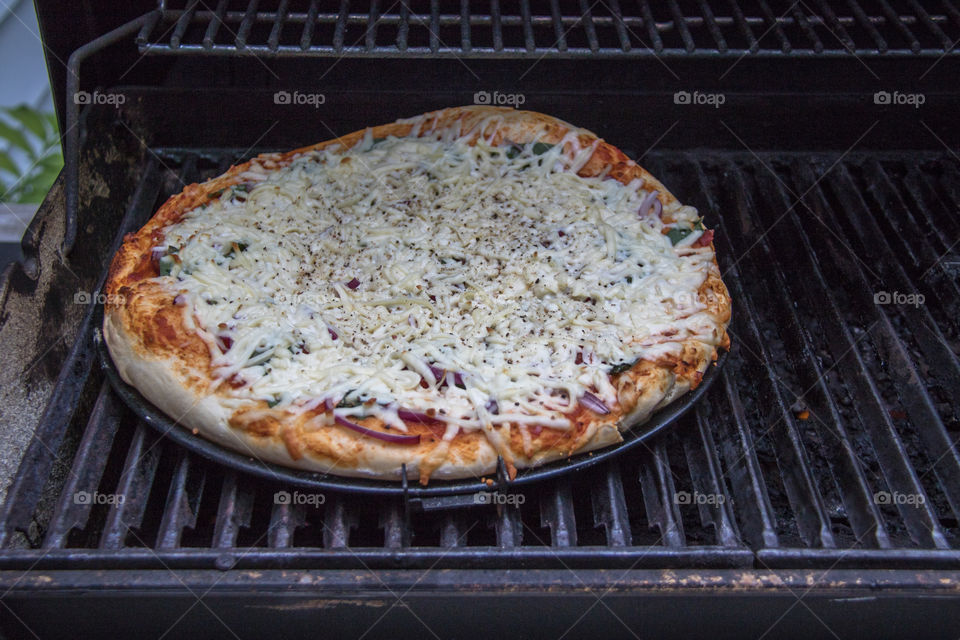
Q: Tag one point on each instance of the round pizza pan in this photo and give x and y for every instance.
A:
(167, 427)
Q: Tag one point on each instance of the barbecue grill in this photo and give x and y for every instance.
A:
(814, 489)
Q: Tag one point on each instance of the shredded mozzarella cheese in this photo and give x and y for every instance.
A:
(426, 273)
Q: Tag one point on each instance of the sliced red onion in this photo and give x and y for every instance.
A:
(329, 404)
(353, 284)
(492, 406)
(443, 376)
(650, 200)
(594, 403)
(333, 334)
(415, 416)
(379, 435)
(224, 342)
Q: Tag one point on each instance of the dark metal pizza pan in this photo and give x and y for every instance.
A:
(158, 420)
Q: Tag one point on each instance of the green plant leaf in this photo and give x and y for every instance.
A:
(37, 134)
(52, 161)
(7, 164)
(30, 119)
(541, 147)
(16, 138)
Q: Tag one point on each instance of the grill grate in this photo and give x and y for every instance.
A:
(560, 28)
(869, 478)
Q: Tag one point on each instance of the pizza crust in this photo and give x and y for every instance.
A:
(155, 351)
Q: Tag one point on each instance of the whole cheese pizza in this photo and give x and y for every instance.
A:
(468, 284)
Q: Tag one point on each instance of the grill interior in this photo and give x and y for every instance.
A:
(823, 460)
(566, 28)
(808, 244)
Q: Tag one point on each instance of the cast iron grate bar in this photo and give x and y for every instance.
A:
(660, 496)
(394, 528)
(558, 29)
(867, 24)
(509, 526)
(900, 26)
(523, 29)
(833, 25)
(610, 507)
(651, 24)
(556, 513)
(497, 24)
(952, 10)
(234, 510)
(931, 25)
(180, 507)
(712, 26)
(681, 26)
(273, 41)
(619, 25)
(801, 19)
(209, 36)
(452, 533)
(136, 480)
(707, 479)
(773, 25)
(246, 25)
(589, 27)
(284, 520)
(404, 27)
(340, 29)
(745, 29)
(337, 524)
(306, 36)
(528, 39)
(182, 23)
(464, 27)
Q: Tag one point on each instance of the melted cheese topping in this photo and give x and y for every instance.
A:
(483, 285)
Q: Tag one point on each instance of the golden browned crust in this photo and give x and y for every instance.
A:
(149, 339)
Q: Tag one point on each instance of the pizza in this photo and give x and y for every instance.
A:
(440, 292)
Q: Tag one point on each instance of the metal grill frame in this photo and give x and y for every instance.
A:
(638, 32)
